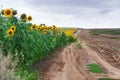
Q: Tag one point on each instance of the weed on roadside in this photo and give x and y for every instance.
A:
(95, 68)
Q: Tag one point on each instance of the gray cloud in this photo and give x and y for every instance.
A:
(79, 13)
(76, 6)
(78, 3)
(89, 3)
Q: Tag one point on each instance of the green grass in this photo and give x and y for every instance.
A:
(101, 31)
(114, 38)
(79, 45)
(26, 74)
(105, 79)
(95, 68)
(95, 33)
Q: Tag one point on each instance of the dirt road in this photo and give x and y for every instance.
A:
(73, 67)
(70, 64)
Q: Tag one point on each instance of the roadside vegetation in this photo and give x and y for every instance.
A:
(79, 45)
(95, 68)
(113, 32)
(114, 38)
(106, 79)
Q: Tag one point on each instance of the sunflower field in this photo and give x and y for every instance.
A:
(27, 42)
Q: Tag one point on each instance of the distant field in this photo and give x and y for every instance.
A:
(105, 31)
(69, 31)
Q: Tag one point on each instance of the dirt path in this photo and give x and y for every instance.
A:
(112, 71)
(71, 62)
(73, 69)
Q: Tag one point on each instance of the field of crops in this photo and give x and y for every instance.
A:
(107, 31)
(27, 42)
(69, 31)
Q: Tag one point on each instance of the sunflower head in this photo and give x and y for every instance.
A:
(54, 26)
(34, 26)
(14, 12)
(23, 16)
(8, 12)
(39, 28)
(10, 33)
(13, 28)
(29, 18)
(52, 29)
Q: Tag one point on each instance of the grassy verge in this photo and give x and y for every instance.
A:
(106, 79)
(26, 74)
(79, 45)
(95, 33)
(95, 68)
(101, 31)
(114, 38)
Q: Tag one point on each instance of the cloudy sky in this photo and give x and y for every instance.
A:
(70, 13)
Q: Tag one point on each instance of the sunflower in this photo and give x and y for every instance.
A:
(34, 26)
(29, 18)
(39, 28)
(13, 28)
(54, 26)
(52, 29)
(23, 16)
(10, 32)
(45, 30)
(8, 12)
(14, 12)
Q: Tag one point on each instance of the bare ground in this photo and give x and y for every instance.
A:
(7, 68)
(70, 64)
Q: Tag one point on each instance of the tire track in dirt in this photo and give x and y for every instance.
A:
(112, 71)
(73, 65)
(69, 71)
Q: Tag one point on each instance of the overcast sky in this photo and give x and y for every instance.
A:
(70, 13)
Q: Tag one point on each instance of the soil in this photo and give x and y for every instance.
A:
(70, 63)
(7, 67)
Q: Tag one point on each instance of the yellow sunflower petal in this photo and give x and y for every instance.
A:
(29, 18)
(10, 33)
(13, 28)
(8, 12)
